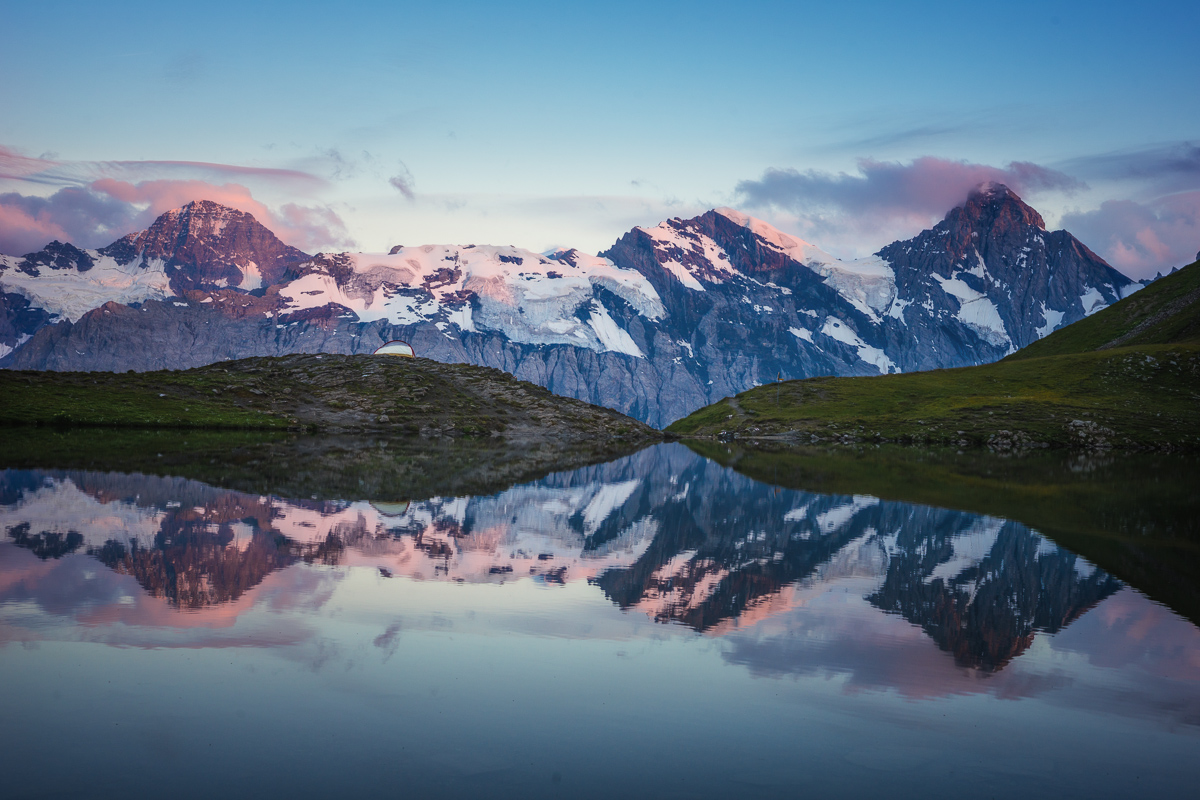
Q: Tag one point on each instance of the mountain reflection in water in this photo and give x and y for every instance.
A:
(664, 533)
(656, 626)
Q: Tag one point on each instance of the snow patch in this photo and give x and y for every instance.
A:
(837, 518)
(251, 278)
(839, 331)
(607, 499)
(968, 549)
(868, 284)
(801, 333)
(897, 309)
(5, 349)
(1052, 319)
(976, 310)
(1092, 301)
(69, 294)
(674, 241)
(1129, 289)
(531, 298)
(610, 334)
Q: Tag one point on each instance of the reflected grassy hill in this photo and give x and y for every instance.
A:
(1135, 515)
(343, 467)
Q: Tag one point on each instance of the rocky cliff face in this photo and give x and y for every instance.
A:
(669, 319)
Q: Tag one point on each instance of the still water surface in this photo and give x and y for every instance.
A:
(658, 626)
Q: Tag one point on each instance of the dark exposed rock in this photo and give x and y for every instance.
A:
(19, 320)
(56, 255)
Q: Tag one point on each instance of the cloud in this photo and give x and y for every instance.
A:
(102, 211)
(927, 185)
(15, 166)
(53, 172)
(1162, 169)
(75, 214)
(885, 200)
(402, 181)
(1141, 239)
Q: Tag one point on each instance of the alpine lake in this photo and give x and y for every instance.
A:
(205, 615)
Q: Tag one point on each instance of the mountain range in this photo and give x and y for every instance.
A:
(667, 320)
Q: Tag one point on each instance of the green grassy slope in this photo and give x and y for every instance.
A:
(313, 392)
(1072, 389)
(1165, 312)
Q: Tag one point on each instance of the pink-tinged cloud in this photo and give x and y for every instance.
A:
(23, 231)
(15, 166)
(72, 214)
(103, 200)
(1141, 239)
(290, 176)
(107, 209)
(886, 200)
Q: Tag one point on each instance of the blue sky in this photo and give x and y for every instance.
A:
(544, 124)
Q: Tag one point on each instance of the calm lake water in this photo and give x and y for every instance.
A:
(657, 626)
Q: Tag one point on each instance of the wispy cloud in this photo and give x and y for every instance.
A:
(1159, 169)
(402, 182)
(926, 185)
(75, 214)
(16, 166)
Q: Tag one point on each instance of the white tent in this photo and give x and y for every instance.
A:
(396, 348)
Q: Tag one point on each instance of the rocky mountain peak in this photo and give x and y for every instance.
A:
(207, 245)
(994, 206)
(200, 223)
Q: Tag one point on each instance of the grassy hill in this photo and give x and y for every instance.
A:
(1127, 377)
(328, 393)
(1165, 312)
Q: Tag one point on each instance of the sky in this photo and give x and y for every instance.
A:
(365, 125)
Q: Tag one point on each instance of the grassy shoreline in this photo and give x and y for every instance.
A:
(1127, 377)
(1129, 398)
